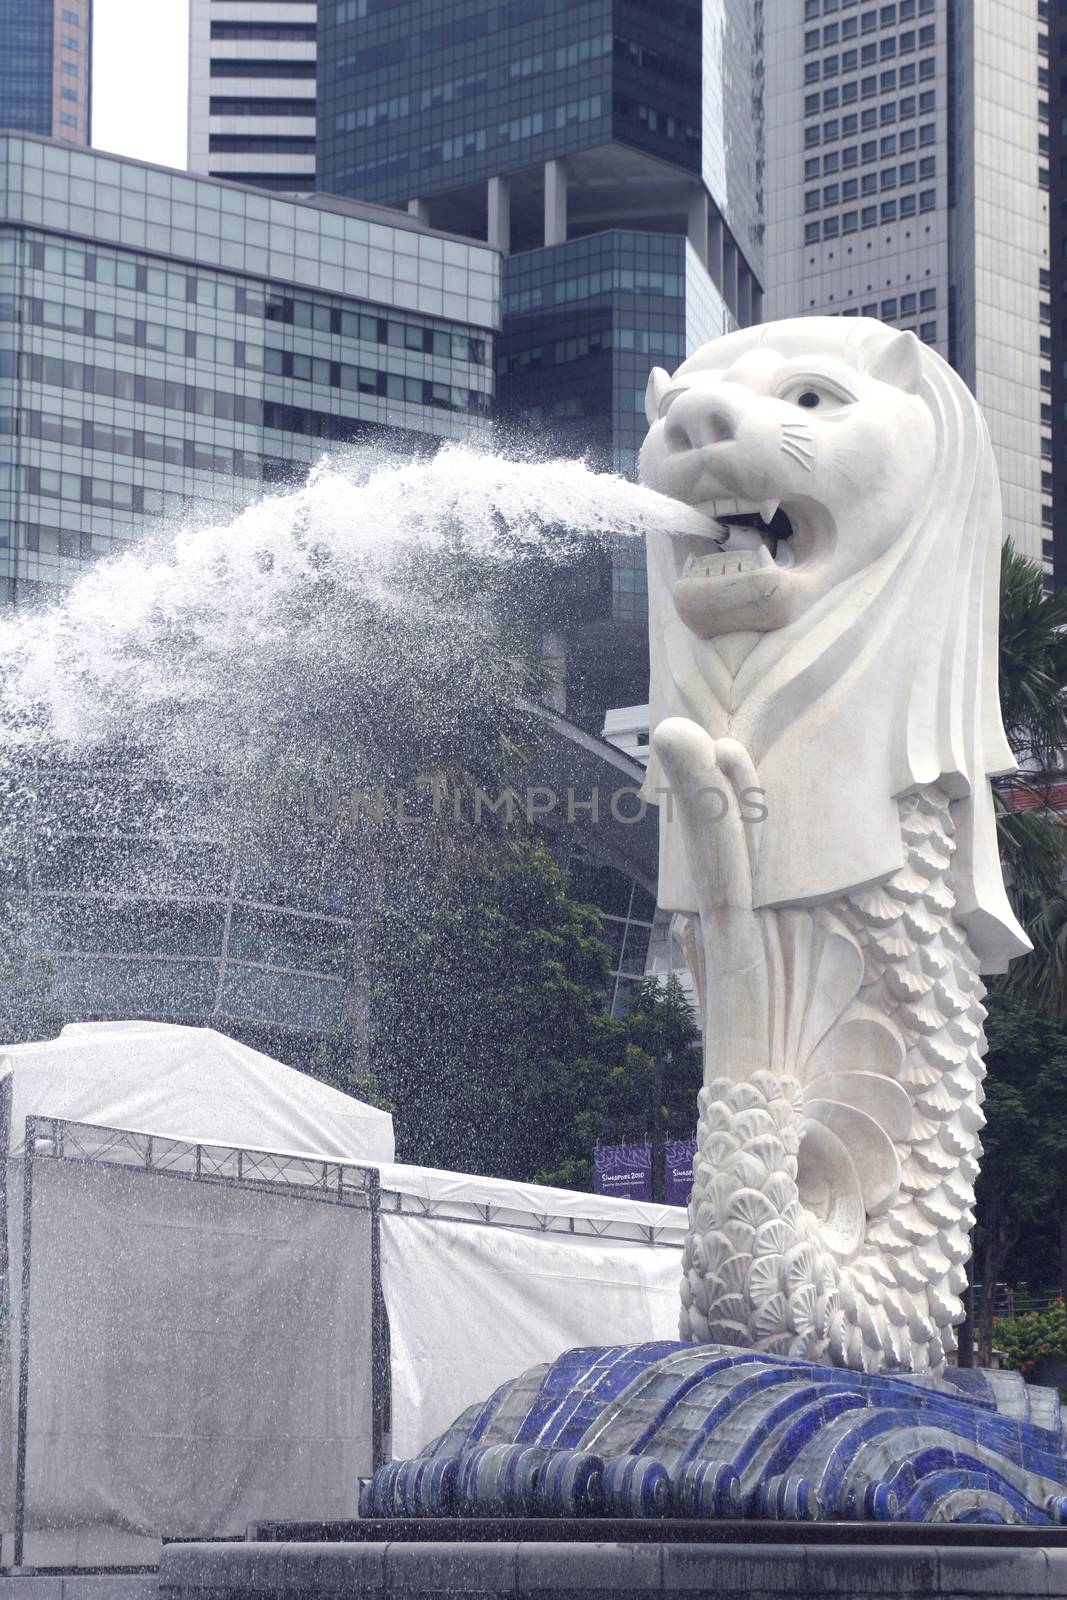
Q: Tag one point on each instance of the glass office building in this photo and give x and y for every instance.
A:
(169, 345)
(613, 151)
(610, 148)
(908, 154)
(45, 50)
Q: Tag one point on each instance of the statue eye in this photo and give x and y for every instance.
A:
(809, 399)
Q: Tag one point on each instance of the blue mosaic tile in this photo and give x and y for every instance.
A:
(674, 1429)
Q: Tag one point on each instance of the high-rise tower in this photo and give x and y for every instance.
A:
(252, 92)
(613, 150)
(908, 179)
(45, 48)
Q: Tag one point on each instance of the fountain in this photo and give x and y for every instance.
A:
(822, 517)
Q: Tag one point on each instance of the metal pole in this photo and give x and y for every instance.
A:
(24, 1340)
(379, 1358)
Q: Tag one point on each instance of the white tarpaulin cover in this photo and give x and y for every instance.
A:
(471, 1306)
(197, 1360)
(189, 1083)
(199, 1353)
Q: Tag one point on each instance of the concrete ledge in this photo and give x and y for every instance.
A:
(80, 1586)
(438, 1570)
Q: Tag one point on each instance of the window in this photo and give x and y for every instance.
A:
(868, 87)
(926, 133)
(811, 136)
(869, 216)
(67, 120)
(907, 139)
(889, 145)
(907, 205)
(926, 36)
(830, 33)
(927, 100)
(811, 167)
(889, 178)
(887, 16)
(811, 200)
(829, 228)
(907, 305)
(811, 104)
(869, 311)
(889, 310)
(68, 42)
(907, 172)
(927, 67)
(829, 130)
(811, 233)
(848, 156)
(830, 162)
(849, 222)
(926, 200)
(811, 72)
(73, 18)
(849, 60)
(829, 99)
(811, 39)
(869, 21)
(907, 75)
(887, 49)
(889, 81)
(889, 113)
(870, 183)
(928, 331)
(889, 211)
(850, 189)
(907, 41)
(830, 194)
(927, 166)
(869, 55)
(869, 149)
(869, 118)
(829, 67)
(849, 125)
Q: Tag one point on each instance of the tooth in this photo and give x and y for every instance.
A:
(784, 555)
(764, 558)
(689, 565)
(768, 509)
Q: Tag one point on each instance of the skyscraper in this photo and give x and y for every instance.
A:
(612, 149)
(45, 65)
(908, 178)
(252, 92)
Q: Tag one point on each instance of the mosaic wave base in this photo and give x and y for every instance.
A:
(710, 1431)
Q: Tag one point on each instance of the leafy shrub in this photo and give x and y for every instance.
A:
(1024, 1340)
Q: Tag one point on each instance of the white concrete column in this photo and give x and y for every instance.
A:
(729, 273)
(744, 293)
(555, 202)
(498, 201)
(714, 262)
(697, 226)
(419, 209)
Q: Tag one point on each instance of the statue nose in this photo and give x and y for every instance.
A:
(696, 419)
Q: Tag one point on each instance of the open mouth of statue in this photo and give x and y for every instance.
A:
(749, 536)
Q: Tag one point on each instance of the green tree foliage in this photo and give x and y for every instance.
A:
(1022, 1188)
(490, 1037)
(1033, 843)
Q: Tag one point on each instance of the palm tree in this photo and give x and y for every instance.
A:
(1033, 842)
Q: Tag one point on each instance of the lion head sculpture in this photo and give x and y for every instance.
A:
(839, 620)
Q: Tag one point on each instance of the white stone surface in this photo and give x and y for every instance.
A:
(825, 722)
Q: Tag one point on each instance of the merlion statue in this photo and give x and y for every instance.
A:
(831, 643)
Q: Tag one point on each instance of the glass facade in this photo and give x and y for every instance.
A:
(169, 345)
(613, 149)
(45, 51)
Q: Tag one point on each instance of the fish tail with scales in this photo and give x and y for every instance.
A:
(833, 1200)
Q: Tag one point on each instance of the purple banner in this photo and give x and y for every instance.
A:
(624, 1170)
(678, 1178)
